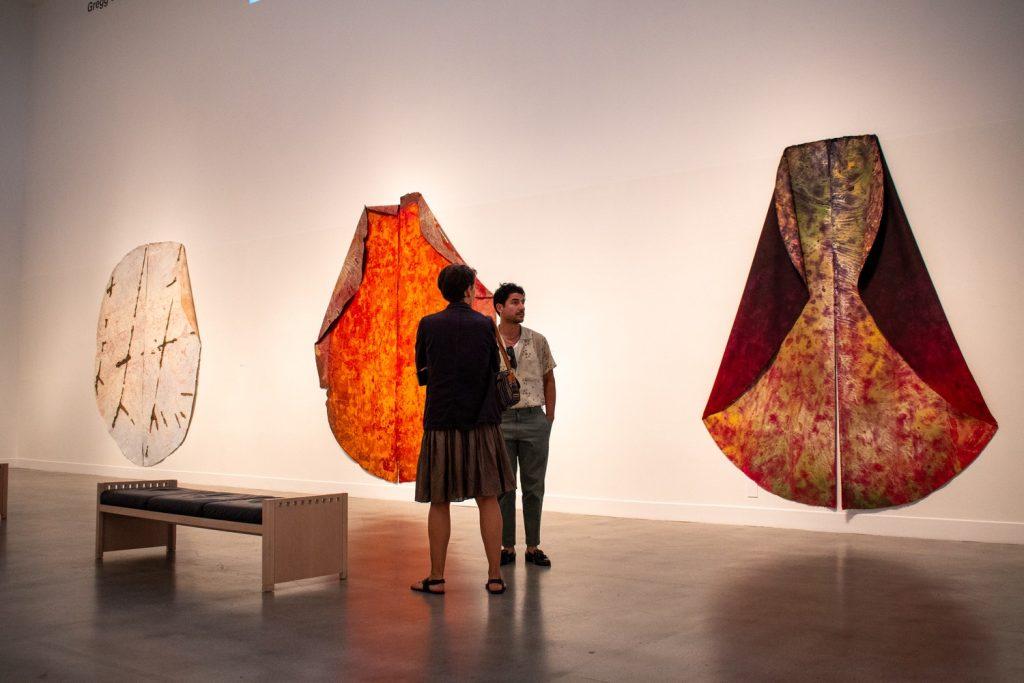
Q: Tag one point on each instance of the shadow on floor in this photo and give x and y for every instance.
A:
(847, 616)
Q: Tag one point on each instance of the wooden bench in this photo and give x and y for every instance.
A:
(3, 489)
(303, 537)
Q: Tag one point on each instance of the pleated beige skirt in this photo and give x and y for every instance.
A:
(455, 465)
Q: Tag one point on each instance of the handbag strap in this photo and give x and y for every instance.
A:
(501, 349)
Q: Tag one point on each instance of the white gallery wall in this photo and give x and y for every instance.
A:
(615, 158)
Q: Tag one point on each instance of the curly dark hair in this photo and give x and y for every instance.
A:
(506, 290)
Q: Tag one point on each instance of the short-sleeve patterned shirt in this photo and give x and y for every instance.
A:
(533, 361)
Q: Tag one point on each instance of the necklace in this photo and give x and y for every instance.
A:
(512, 342)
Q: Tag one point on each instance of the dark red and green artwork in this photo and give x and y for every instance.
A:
(842, 384)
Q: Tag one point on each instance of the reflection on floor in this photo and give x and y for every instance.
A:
(626, 599)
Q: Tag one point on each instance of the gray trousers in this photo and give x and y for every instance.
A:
(526, 433)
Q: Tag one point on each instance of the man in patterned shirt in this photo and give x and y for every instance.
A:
(526, 426)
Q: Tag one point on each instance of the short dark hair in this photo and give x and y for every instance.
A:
(506, 290)
(454, 280)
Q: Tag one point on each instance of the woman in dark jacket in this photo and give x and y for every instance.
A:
(463, 453)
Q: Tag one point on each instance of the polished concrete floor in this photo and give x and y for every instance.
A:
(626, 600)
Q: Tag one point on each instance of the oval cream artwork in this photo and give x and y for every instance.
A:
(147, 353)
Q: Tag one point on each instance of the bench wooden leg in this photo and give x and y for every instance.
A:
(268, 555)
(99, 535)
(343, 574)
(118, 532)
(304, 538)
(3, 490)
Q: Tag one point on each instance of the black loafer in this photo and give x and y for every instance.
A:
(538, 558)
(507, 557)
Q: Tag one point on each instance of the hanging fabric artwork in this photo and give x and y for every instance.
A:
(365, 351)
(841, 363)
(147, 353)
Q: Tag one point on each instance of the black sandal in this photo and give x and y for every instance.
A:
(538, 558)
(425, 585)
(497, 582)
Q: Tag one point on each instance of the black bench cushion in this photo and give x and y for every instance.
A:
(248, 510)
(190, 503)
(135, 498)
(232, 507)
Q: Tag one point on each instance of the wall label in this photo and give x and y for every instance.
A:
(97, 5)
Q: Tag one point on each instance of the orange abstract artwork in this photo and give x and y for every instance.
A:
(365, 352)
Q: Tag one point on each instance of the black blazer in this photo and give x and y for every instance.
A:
(457, 360)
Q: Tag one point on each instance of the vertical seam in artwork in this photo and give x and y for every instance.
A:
(398, 339)
(835, 331)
